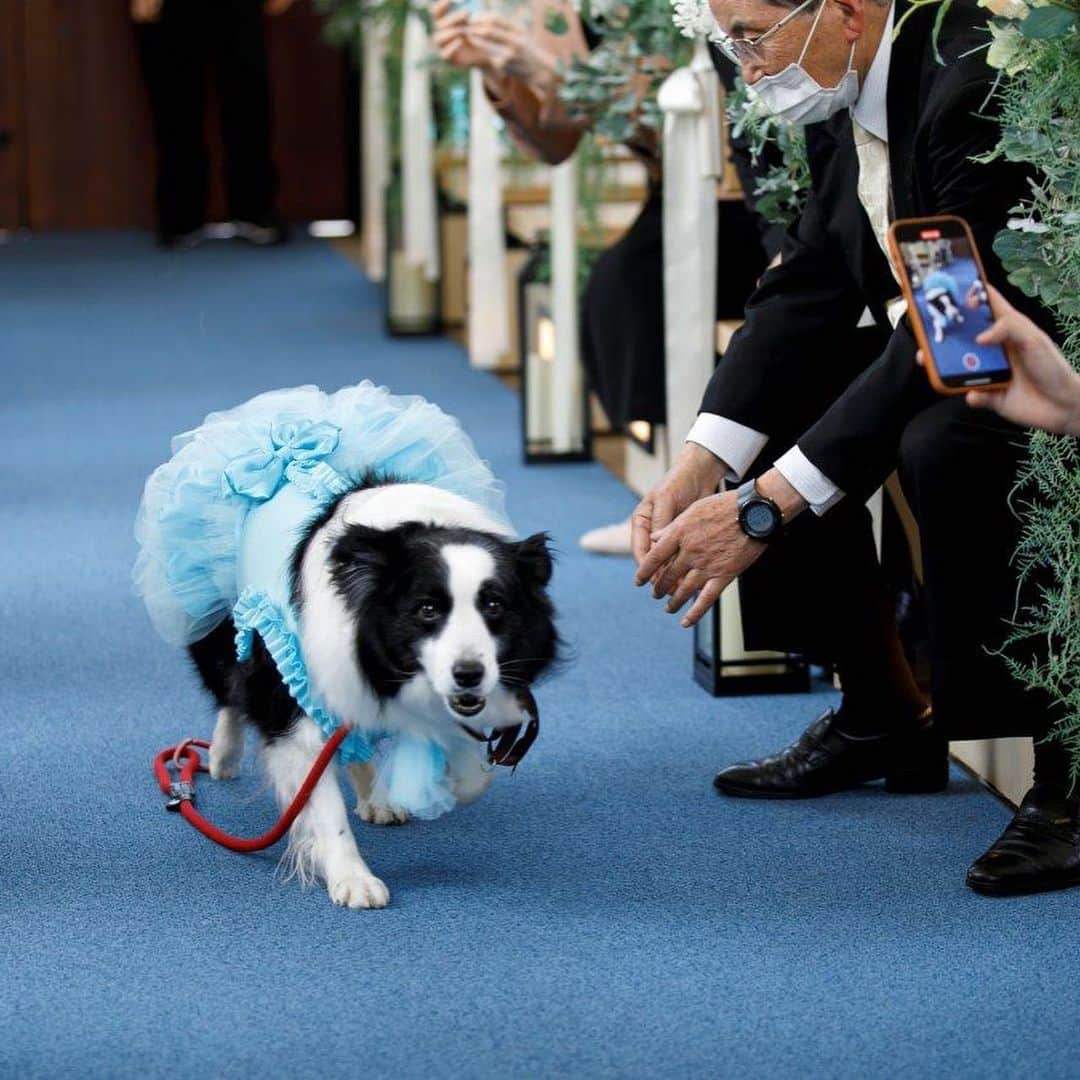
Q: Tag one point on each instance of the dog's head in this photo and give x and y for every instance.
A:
(445, 614)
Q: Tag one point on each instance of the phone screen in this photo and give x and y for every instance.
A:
(953, 305)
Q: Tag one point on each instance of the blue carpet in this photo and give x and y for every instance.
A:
(601, 913)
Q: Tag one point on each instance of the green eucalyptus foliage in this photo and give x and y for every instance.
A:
(781, 192)
(614, 88)
(1040, 99)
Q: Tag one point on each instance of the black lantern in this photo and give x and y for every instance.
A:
(554, 404)
(413, 302)
(725, 668)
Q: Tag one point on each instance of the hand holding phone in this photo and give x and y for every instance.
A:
(948, 303)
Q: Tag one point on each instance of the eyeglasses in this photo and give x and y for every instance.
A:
(743, 50)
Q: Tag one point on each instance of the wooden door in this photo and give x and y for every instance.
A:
(80, 154)
(12, 178)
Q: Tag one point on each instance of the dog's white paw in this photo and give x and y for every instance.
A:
(375, 814)
(225, 760)
(358, 889)
(227, 745)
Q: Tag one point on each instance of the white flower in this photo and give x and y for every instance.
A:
(693, 18)
(1028, 225)
(1007, 9)
(1005, 52)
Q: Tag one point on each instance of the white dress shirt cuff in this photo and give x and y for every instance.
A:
(808, 480)
(733, 443)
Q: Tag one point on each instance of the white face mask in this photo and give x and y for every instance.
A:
(796, 96)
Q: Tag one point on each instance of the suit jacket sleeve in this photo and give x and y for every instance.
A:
(855, 443)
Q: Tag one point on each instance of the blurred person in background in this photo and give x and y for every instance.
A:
(178, 40)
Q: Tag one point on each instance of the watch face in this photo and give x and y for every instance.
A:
(759, 519)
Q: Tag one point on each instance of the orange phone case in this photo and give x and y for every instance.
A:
(913, 312)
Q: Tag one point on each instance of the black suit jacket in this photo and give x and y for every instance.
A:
(793, 372)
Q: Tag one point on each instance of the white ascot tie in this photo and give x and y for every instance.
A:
(489, 315)
(875, 187)
(875, 194)
(690, 101)
(375, 161)
(420, 221)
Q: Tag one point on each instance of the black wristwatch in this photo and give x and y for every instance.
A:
(759, 516)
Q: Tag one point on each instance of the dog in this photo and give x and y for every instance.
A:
(417, 616)
(943, 302)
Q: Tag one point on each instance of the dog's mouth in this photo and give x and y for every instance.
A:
(467, 705)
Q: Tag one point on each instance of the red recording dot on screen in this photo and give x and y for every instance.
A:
(930, 234)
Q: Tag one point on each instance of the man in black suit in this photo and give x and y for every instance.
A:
(891, 133)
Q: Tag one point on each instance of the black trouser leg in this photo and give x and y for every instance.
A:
(1052, 766)
(244, 91)
(958, 468)
(819, 589)
(173, 57)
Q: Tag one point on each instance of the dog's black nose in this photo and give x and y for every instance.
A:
(468, 673)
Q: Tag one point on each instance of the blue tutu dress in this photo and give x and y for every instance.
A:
(219, 521)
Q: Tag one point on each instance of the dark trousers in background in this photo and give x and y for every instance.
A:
(225, 36)
(622, 311)
(820, 585)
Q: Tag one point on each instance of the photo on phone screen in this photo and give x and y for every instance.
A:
(953, 306)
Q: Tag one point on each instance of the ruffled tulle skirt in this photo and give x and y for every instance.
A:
(192, 513)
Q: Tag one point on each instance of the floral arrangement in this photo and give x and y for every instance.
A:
(615, 86)
(781, 192)
(1036, 50)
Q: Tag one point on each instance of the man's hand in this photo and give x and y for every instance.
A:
(145, 11)
(705, 548)
(702, 551)
(276, 7)
(449, 24)
(695, 475)
(509, 48)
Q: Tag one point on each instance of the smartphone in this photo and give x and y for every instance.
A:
(945, 287)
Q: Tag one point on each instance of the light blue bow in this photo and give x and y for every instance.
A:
(295, 453)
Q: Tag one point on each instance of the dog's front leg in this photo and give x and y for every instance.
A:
(321, 844)
(227, 745)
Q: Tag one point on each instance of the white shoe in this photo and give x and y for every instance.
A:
(608, 539)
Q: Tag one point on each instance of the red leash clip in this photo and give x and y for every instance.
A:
(180, 792)
(183, 790)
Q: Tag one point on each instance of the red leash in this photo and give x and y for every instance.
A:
(181, 792)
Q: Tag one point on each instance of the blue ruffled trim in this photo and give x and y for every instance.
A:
(255, 613)
(410, 771)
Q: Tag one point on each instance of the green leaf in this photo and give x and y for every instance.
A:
(555, 22)
(1050, 291)
(1048, 22)
(1024, 280)
(1025, 144)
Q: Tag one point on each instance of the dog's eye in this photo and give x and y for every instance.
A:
(493, 607)
(427, 610)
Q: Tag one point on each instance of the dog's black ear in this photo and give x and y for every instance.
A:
(359, 559)
(534, 562)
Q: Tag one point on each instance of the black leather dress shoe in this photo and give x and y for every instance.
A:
(824, 760)
(1038, 852)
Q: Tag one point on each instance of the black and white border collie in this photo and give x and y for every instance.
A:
(417, 614)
